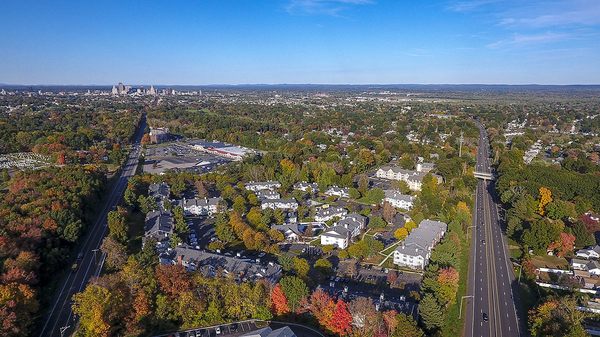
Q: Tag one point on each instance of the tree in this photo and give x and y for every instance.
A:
(201, 188)
(539, 236)
(376, 222)
(363, 315)
(431, 313)
(279, 302)
(401, 233)
(295, 291)
(322, 307)
(117, 227)
(389, 212)
(564, 244)
(545, 199)
(363, 183)
(146, 204)
(341, 321)
(448, 286)
(583, 238)
(301, 267)
(406, 327)
(324, 266)
(116, 253)
(239, 204)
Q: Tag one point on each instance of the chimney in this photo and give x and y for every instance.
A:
(179, 259)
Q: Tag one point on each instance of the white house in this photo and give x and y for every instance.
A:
(262, 185)
(425, 167)
(285, 204)
(305, 187)
(327, 213)
(589, 253)
(267, 194)
(593, 267)
(204, 206)
(414, 179)
(415, 251)
(399, 200)
(341, 192)
(579, 264)
(337, 236)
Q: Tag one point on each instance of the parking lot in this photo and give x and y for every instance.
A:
(229, 330)
(202, 229)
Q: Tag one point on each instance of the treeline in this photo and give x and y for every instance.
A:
(69, 134)
(42, 216)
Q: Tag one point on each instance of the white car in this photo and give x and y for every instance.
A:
(218, 330)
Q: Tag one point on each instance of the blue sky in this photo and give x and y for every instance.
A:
(299, 41)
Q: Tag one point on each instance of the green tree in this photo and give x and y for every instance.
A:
(431, 313)
(295, 291)
(117, 226)
(406, 327)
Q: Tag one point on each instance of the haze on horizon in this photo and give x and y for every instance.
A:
(300, 41)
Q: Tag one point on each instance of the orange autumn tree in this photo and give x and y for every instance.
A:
(279, 303)
(322, 307)
(448, 281)
(341, 321)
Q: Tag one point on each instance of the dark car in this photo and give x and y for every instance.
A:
(485, 317)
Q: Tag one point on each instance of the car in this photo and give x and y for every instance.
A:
(483, 242)
(485, 317)
(218, 330)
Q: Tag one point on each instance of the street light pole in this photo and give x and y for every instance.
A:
(460, 310)
(63, 329)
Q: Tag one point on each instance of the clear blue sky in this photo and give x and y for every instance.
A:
(299, 41)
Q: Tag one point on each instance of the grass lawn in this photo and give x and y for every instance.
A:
(453, 325)
(389, 249)
(548, 261)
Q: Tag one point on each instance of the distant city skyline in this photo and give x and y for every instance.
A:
(300, 42)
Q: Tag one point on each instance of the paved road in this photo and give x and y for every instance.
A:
(60, 321)
(491, 277)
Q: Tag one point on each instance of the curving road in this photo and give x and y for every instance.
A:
(490, 309)
(59, 320)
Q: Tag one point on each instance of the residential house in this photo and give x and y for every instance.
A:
(267, 194)
(285, 204)
(268, 332)
(425, 167)
(212, 265)
(579, 264)
(290, 231)
(262, 185)
(399, 200)
(206, 206)
(158, 225)
(415, 250)
(589, 253)
(337, 236)
(306, 187)
(327, 213)
(336, 191)
(593, 267)
(414, 179)
(344, 231)
(353, 222)
(160, 193)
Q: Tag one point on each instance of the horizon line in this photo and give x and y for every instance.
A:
(301, 84)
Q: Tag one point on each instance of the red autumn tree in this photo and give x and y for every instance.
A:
(341, 321)
(564, 244)
(173, 280)
(279, 303)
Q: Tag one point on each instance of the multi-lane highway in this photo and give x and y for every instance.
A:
(59, 320)
(490, 305)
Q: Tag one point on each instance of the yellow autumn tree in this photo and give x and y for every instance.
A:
(401, 233)
(545, 199)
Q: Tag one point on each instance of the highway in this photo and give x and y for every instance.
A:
(60, 320)
(490, 306)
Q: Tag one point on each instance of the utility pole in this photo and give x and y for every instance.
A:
(461, 143)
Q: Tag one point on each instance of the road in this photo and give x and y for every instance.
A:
(59, 320)
(491, 276)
